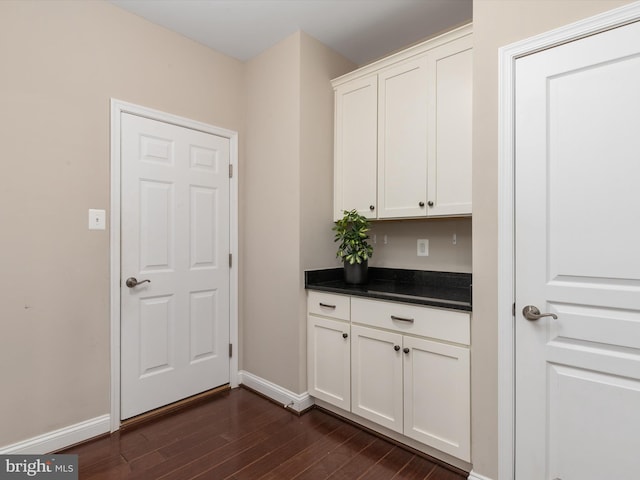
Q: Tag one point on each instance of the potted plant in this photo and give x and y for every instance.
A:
(351, 231)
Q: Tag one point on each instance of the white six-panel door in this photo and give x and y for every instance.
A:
(175, 233)
(577, 227)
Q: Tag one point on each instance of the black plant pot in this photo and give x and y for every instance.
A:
(356, 274)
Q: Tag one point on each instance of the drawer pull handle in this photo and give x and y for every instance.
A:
(326, 305)
(401, 319)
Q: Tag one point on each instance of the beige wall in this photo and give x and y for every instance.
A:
(318, 65)
(497, 23)
(287, 201)
(400, 250)
(61, 63)
(270, 209)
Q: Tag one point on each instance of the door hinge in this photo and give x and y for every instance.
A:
(230, 350)
(230, 260)
(230, 170)
(513, 309)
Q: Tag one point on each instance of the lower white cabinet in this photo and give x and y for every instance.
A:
(437, 408)
(328, 361)
(376, 376)
(403, 367)
(329, 349)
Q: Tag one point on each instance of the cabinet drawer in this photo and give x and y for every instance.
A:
(442, 324)
(328, 305)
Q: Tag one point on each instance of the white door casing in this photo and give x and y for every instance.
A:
(577, 229)
(174, 180)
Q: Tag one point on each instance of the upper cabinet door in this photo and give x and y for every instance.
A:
(356, 124)
(402, 140)
(450, 109)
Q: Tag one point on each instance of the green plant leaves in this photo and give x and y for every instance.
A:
(351, 231)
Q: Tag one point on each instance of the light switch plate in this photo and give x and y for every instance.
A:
(423, 247)
(97, 219)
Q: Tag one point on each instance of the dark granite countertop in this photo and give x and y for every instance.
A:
(437, 289)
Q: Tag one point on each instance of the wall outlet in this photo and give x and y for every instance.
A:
(423, 247)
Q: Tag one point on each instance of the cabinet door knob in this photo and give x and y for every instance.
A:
(345, 335)
(421, 204)
(396, 347)
(430, 203)
(372, 207)
(405, 349)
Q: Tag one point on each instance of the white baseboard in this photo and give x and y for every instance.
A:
(476, 476)
(61, 438)
(287, 398)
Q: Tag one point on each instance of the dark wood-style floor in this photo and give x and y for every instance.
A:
(240, 435)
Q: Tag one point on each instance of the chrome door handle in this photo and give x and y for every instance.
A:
(532, 313)
(133, 281)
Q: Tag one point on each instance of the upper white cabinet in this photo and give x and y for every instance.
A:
(356, 140)
(403, 132)
(450, 109)
(402, 139)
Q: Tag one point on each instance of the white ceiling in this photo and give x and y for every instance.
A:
(361, 30)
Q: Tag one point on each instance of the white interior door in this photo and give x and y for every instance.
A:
(175, 234)
(577, 233)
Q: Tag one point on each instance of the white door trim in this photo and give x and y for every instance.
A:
(506, 211)
(117, 108)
